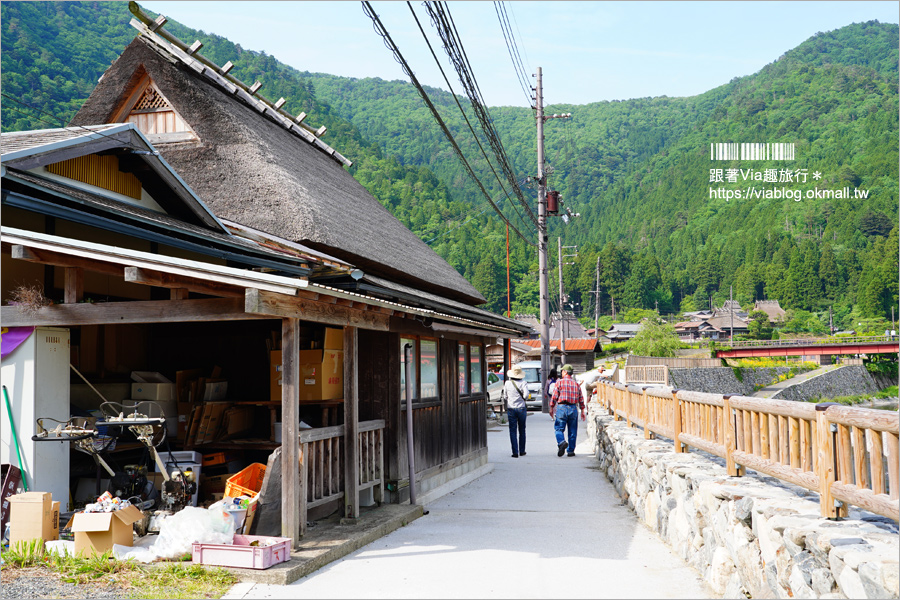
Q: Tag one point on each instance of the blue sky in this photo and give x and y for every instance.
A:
(588, 51)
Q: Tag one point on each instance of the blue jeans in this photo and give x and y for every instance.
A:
(566, 416)
(517, 418)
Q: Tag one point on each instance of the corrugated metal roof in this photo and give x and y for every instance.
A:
(572, 345)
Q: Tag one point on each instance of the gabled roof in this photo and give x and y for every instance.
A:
(26, 150)
(252, 170)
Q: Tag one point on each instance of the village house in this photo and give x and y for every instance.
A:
(183, 223)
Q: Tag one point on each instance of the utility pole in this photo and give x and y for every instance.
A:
(731, 306)
(542, 234)
(562, 305)
(597, 299)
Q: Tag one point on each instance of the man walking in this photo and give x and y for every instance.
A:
(562, 409)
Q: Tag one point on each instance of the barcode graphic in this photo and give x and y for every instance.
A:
(751, 151)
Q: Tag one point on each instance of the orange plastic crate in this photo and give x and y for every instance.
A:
(246, 483)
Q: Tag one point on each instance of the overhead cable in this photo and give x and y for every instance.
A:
(389, 43)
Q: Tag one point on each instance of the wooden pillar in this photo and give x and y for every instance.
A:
(74, 285)
(734, 470)
(290, 430)
(351, 424)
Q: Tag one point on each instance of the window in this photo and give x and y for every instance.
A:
(423, 368)
(469, 369)
(463, 370)
(475, 368)
(413, 353)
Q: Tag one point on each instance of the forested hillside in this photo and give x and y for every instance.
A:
(638, 171)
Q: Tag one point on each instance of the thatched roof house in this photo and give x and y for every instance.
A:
(244, 159)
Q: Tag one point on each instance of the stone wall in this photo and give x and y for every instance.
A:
(844, 381)
(751, 536)
(722, 380)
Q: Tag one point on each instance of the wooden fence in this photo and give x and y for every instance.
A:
(322, 464)
(647, 374)
(848, 455)
(672, 362)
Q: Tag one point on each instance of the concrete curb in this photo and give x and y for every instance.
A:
(319, 548)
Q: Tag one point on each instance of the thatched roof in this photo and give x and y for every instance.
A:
(250, 169)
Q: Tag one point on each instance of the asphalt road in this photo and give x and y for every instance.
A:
(538, 526)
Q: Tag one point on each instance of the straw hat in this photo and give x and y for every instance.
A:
(516, 373)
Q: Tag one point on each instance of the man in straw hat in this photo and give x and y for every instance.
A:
(515, 391)
(562, 409)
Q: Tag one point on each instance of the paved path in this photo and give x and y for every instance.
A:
(537, 526)
(770, 391)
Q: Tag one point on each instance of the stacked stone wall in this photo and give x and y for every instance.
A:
(851, 380)
(723, 380)
(751, 536)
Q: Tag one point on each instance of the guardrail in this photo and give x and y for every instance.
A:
(860, 339)
(848, 455)
(322, 464)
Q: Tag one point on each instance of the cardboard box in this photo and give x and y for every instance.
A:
(97, 532)
(334, 339)
(33, 515)
(321, 375)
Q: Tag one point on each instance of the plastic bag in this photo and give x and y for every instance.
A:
(178, 533)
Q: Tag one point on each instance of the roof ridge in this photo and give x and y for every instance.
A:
(151, 30)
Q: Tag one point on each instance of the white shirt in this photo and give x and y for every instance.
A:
(516, 391)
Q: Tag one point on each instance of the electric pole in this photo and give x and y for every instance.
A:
(542, 235)
(597, 299)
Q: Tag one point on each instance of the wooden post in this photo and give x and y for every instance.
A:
(730, 437)
(676, 420)
(351, 424)
(304, 485)
(826, 451)
(74, 285)
(290, 430)
(645, 416)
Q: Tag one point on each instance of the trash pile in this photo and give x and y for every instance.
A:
(107, 503)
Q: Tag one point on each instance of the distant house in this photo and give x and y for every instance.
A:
(621, 332)
(773, 309)
(578, 352)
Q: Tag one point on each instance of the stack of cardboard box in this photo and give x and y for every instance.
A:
(321, 365)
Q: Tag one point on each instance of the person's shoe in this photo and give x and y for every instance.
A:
(562, 447)
(571, 454)
(522, 454)
(514, 456)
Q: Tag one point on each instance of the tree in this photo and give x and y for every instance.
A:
(654, 339)
(760, 328)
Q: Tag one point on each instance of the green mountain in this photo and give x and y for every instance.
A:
(639, 171)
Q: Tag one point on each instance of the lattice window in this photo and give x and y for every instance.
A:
(151, 99)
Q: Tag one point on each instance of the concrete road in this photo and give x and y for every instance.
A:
(537, 526)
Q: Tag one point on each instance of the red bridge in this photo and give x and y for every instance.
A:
(880, 344)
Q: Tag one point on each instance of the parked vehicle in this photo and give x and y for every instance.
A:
(532, 369)
(495, 386)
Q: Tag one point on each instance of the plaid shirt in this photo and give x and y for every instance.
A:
(567, 392)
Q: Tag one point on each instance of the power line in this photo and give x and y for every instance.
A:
(390, 45)
(443, 22)
(465, 117)
(513, 49)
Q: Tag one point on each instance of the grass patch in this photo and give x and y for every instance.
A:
(133, 579)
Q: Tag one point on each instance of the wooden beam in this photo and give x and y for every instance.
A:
(260, 302)
(351, 423)
(48, 257)
(74, 285)
(290, 428)
(109, 313)
(172, 281)
(179, 293)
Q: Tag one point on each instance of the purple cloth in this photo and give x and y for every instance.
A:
(11, 337)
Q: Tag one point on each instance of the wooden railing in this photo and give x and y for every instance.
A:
(322, 464)
(848, 455)
(647, 374)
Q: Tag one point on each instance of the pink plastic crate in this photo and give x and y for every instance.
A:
(242, 555)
